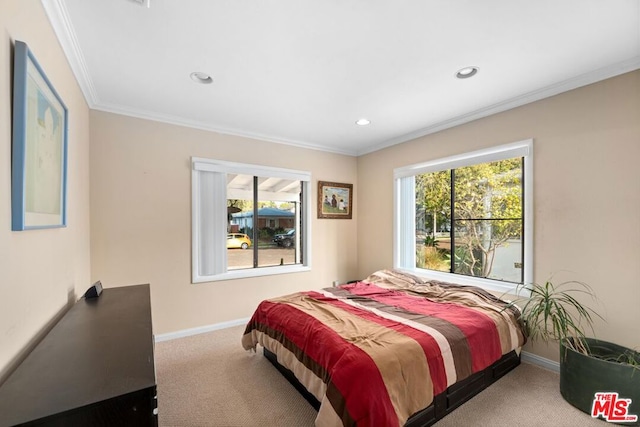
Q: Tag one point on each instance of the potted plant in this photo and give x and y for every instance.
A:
(587, 365)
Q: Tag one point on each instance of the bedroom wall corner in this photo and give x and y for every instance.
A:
(586, 193)
(41, 271)
(141, 218)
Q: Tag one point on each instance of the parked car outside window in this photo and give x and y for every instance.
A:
(286, 240)
(238, 240)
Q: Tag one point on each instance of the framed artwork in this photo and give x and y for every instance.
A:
(39, 151)
(335, 200)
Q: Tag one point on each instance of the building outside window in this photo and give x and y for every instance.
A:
(227, 240)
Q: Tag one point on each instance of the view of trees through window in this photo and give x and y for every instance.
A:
(469, 220)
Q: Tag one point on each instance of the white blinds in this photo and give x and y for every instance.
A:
(406, 223)
(209, 237)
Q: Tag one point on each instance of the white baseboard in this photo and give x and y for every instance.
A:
(534, 359)
(200, 330)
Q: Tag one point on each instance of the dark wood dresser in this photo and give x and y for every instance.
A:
(94, 368)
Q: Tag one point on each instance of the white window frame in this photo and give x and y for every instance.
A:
(209, 219)
(404, 213)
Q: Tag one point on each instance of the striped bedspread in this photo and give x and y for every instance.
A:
(375, 352)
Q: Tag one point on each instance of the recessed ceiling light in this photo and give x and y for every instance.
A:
(467, 72)
(363, 122)
(202, 78)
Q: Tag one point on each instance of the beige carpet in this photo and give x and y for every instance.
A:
(208, 380)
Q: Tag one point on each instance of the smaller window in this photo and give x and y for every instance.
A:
(251, 205)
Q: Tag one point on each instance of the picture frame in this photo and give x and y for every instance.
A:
(39, 147)
(335, 200)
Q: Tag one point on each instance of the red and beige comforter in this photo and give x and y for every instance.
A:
(375, 352)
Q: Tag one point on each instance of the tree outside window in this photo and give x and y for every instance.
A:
(480, 217)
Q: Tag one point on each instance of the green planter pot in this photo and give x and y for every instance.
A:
(581, 377)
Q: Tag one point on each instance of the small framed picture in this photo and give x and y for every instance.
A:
(39, 158)
(335, 200)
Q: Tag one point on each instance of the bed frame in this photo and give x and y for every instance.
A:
(443, 403)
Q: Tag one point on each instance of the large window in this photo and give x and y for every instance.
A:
(468, 219)
(248, 220)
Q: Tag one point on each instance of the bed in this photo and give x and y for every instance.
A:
(390, 350)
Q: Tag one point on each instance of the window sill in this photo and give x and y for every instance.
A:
(459, 279)
(252, 272)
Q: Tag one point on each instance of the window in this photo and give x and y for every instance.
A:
(468, 219)
(240, 212)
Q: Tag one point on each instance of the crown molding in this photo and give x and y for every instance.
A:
(179, 121)
(545, 92)
(59, 18)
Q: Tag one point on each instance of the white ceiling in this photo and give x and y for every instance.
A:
(301, 72)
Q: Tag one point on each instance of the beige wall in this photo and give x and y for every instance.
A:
(141, 218)
(586, 192)
(40, 270)
(587, 203)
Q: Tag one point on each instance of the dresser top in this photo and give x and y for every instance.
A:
(100, 349)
